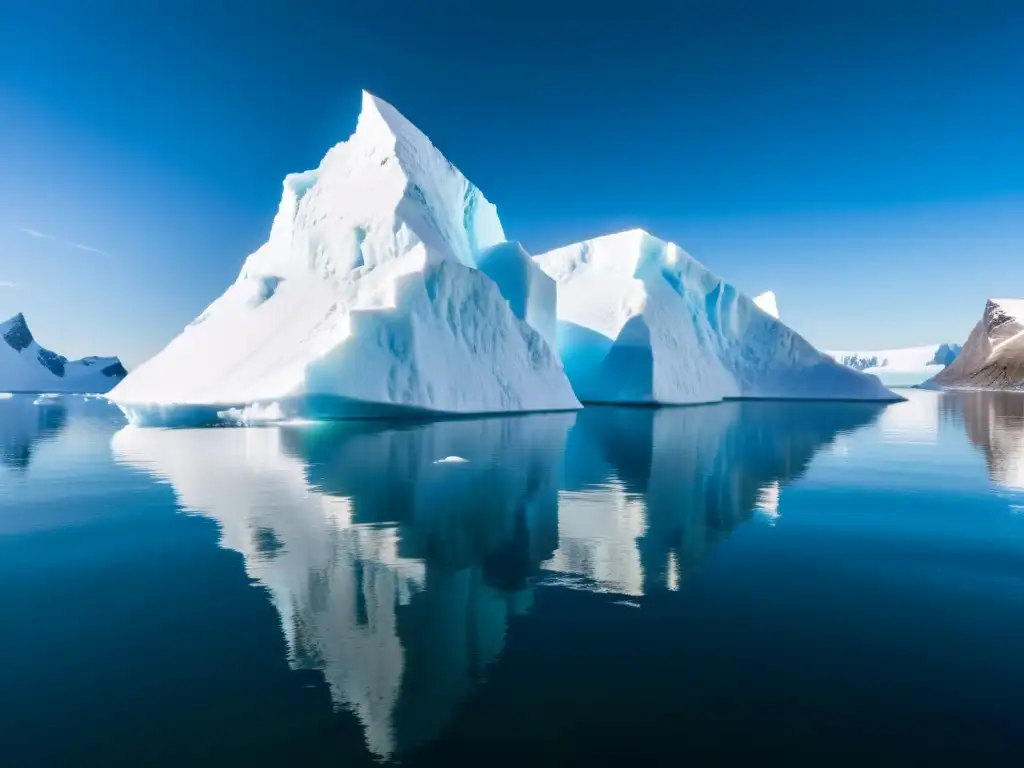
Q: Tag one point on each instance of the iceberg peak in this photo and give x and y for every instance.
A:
(380, 120)
(368, 299)
(767, 303)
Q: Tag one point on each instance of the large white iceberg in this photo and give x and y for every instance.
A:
(25, 366)
(641, 321)
(366, 301)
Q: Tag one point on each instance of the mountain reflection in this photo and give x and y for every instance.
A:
(23, 425)
(397, 576)
(994, 423)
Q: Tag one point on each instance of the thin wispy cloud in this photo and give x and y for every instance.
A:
(6, 284)
(36, 233)
(66, 243)
(87, 248)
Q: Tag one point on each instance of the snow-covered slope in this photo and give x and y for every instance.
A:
(766, 301)
(365, 301)
(901, 367)
(641, 321)
(27, 367)
(993, 355)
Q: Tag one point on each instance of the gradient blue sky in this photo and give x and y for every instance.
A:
(864, 159)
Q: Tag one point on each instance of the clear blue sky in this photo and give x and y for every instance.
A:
(863, 158)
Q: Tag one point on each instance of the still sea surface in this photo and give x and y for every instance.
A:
(832, 581)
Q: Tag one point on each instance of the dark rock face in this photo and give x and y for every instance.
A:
(860, 363)
(18, 335)
(52, 361)
(115, 370)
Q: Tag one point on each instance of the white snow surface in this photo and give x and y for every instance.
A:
(766, 301)
(365, 301)
(641, 321)
(25, 366)
(903, 367)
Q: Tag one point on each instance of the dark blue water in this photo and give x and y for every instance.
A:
(746, 580)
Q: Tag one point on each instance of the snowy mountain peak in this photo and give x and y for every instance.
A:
(25, 366)
(16, 333)
(999, 312)
(993, 355)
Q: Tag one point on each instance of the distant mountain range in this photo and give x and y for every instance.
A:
(25, 366)
(905, 367)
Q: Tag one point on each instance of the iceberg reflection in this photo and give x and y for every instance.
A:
(24, 424)
(396, 575)
(646, 491)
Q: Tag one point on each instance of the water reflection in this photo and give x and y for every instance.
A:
(647, 491)
(994, 423)
(24, 424)
(397, 577)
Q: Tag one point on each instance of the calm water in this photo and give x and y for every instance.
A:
(734, 580)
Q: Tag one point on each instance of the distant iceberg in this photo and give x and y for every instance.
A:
(370, 299)
(25, 366)
(904, 367)
(641, 321)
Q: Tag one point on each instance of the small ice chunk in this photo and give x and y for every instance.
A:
(252, 414)
(452, 460)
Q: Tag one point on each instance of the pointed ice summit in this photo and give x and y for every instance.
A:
(993, 355)
(25, 366)
(766, 301)
(367, 300)
(641, 321)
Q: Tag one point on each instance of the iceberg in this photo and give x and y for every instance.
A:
(386, 288)
(641, 321)
(767, 303)
(906, 367)
(993, 355)
(25, 366)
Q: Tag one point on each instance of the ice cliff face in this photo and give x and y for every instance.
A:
(366, 300)
(993, 355)
(25, 366)
(641, 321)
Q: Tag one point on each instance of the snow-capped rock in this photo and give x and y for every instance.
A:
(641, 321)
(365, 301)
(905, 367)
(993, 355)
(766, 301)
(25, 366)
